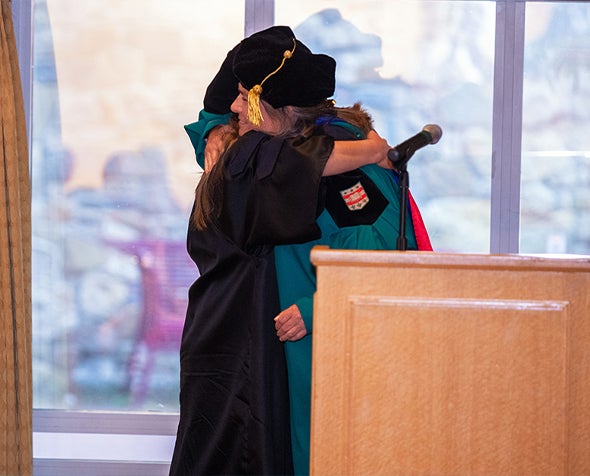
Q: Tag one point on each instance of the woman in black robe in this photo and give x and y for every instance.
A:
(264, 191)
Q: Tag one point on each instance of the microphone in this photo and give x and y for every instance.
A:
(401, 153)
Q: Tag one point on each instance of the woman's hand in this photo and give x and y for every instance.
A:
(215, 145)
(289, 324)
(382, 148)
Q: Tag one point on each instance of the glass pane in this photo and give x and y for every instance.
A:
(113, 179)
(555, 176)
(413, 63)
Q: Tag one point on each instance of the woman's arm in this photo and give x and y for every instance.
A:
(349, 155)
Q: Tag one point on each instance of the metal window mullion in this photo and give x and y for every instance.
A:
(507, 126)
(260, 14)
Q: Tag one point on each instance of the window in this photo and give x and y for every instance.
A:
(113, 178)
(555, 179)
(410, 64)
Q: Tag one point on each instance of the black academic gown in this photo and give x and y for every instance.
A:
(234, 407)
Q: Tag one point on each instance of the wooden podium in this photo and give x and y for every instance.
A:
(450, 364)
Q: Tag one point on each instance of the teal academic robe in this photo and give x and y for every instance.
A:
(372, 225)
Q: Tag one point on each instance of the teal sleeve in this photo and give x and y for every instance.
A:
(197, 132)
(305, 305)
(296, 279)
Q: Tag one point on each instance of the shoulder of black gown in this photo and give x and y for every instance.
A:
(283, 177)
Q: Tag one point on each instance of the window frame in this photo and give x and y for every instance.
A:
(507, 126)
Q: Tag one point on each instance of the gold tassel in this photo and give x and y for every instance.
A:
(254, 112)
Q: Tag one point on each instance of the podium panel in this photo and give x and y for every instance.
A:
(433, 364)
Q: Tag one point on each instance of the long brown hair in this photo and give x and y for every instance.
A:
(209, 191)
(295, 121)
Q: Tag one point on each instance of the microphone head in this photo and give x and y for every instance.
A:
(434, 131)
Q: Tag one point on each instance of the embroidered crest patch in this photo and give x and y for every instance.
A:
(355, 197)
